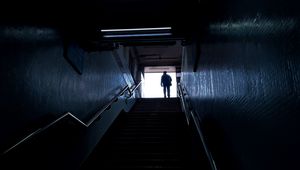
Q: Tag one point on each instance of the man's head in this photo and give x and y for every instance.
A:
(165, 72)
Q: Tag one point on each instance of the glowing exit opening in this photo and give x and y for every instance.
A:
(151, 87)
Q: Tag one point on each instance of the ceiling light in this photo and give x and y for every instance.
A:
(136, 32)
(136, 35)
(136, 29)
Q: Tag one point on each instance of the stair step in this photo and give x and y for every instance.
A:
(152, 135)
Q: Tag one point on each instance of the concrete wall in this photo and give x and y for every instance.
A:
(245, 89)
(38, 84)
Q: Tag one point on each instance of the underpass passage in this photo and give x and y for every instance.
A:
(240, 69)
(154, 134)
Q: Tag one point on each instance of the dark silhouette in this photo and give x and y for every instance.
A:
(166, 82)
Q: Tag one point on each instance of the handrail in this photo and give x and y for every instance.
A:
(189, 110)
(106, 106)
(87, 124)
(181, 95)
(135, 87)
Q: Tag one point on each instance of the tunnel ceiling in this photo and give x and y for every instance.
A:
(88, 16)
(82, 19)
(160, 55)
(182, 15)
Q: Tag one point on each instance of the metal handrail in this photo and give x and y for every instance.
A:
(197, 124)
(97, 114)
(135, 87)
(182, 99)
(87, 124)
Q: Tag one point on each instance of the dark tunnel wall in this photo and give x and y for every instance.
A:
(37, 82)
(245, 90)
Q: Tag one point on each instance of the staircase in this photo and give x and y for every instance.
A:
(154, 134)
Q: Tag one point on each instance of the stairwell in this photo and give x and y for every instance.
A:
(154, 134)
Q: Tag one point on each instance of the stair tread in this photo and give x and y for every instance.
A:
(152, 135)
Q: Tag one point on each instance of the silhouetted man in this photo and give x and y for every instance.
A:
(166, 82)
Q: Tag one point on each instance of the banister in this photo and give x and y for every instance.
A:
(189, 110)
(68, 114)
(183, 103)
(97, 114)
(134, 88)
(39, 130)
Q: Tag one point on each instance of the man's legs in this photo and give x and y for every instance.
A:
(168, 88)
(165, 91)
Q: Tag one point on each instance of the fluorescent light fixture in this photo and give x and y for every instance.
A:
(136, 35)
(136, 32)
(136, 29)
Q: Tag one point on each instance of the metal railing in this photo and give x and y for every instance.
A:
(133, 88)
(191, 115)
(68, 114)
(184, 104)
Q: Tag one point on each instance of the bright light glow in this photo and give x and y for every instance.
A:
(136, 29)
(151, 86)
(136, 35)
